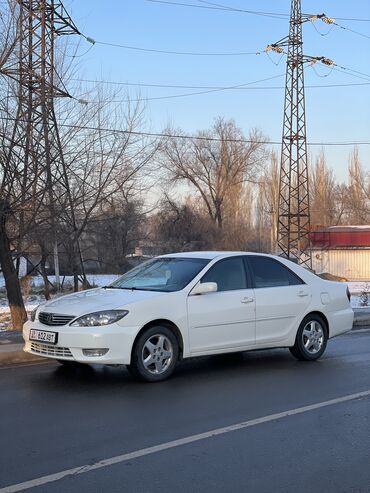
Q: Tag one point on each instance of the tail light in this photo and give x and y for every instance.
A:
(348, 295)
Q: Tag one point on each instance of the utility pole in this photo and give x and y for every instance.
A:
(36, 138)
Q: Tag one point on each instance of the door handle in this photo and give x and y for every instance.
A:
(302, 294)
(247, 300)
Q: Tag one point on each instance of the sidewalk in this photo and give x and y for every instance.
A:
(11, 350)
(11, 343)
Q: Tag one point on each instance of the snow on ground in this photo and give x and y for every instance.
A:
(34, 299)
(94, 279)
(358, 287)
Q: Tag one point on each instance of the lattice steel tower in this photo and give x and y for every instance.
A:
(294, 206)
(36, 139)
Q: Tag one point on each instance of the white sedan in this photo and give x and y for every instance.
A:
(191, 304)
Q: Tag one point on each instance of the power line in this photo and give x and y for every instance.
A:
(170, 52)
(173, 96)
(180, 86)
(223, 8)
(352, 30)
(352, 19)
(353, 73)
(213, 139)
(225, 88)
(191, 137)
(212, 6)
(333, 24)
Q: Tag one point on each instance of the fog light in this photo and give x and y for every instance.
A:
(95, 353)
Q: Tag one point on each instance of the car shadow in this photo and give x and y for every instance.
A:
(212, 368)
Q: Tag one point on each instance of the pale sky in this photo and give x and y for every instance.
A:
(333, 113)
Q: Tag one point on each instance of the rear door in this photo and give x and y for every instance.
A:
(281, 299)
(226, 318)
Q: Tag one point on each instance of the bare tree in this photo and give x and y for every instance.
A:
(182, 227)
(269, 200)
(358, 191)
(100, 165)
(21, 193)
(322, 194)
(214, 163)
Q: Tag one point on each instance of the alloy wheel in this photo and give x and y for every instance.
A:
(157, 354)
(313, 337)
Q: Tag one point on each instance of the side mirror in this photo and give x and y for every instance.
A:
(204, 288)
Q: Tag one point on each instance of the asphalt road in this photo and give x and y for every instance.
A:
(56, 421)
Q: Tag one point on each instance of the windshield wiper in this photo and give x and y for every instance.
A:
(113, 287)
(133, 288)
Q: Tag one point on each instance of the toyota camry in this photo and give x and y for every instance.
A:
(191, 304)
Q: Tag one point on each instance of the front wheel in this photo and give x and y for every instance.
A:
(311, 339)
(154, 355)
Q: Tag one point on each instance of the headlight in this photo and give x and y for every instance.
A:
(96, 319)
(33, 314)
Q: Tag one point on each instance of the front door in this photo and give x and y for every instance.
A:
(224, 319)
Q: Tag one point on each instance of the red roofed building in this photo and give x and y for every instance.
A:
(343, 251)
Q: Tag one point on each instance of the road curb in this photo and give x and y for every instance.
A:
(15, 355)
(362, 319)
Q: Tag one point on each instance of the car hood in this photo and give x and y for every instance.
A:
(94, 300)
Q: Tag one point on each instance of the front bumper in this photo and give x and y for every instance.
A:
(72, 340)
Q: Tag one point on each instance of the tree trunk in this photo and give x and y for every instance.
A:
(75, 267)
(219, 219)
(12, 285)
(44, 256)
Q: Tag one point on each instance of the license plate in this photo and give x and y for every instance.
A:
(43, 336)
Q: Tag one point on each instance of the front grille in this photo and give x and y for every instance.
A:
(54, 318)
(46, 350)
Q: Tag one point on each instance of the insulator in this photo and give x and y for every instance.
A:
(327, 61)
(328, 20)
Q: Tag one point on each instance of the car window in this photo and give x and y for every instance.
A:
(161, 274)
(269, 273)
(229, 274)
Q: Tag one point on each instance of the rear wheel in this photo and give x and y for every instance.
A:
(311, 339)
(154, 355)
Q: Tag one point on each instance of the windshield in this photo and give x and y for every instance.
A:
(161, 274)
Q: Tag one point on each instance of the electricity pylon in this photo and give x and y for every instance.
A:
(36, 139)
(294, 205)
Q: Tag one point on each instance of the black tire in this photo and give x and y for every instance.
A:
(306, 349)
(144, 363)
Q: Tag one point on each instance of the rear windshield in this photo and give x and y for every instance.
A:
(161, 274)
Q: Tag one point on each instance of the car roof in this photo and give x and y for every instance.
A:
(299, 270)
(211, 254)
